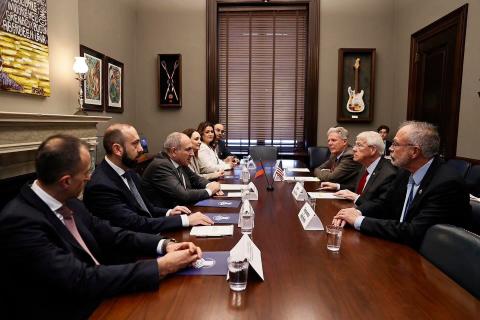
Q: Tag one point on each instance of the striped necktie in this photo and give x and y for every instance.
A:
(134, 190)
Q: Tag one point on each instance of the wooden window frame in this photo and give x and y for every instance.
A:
(311, 81)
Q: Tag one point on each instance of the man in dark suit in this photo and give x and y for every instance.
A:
(59, 261)
(340, 167)
(425, 191)
(374, 180)
(384, 131)
(222, 150)
(168, 180)
(115, 192)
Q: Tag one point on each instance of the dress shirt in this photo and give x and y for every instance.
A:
(417, 178)
(121, 172)
(54, 205)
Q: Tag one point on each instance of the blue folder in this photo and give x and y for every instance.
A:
(218, 203)
(223, 218)
(220, 268)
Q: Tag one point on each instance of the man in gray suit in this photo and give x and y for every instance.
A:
(340, 168)
(169, 181)
(376, 176)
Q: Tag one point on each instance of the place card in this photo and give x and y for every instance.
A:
(324, 195)
(246, 249)
(299, 192)
(212, 231)
(246, 205)
(306, 179)
(253, 195)
(308, 218)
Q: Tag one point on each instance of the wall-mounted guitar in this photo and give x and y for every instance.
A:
(355, 102)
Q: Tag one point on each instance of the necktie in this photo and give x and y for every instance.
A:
(72, 227)
(136, 194)
(361, 184)
(334, 164)
(411, 182)
(182, 178)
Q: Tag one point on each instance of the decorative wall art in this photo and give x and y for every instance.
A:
(24, 47)
(113, 85)
(170, 80)
(93, 84)
(356, 85)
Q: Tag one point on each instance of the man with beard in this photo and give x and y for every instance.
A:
(115, 193)
(425, 192)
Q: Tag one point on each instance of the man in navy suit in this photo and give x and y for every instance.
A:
(59, 261)
(425, 191)
(115, 191)
(373, 181)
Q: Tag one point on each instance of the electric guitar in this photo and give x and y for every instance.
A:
(355, 102)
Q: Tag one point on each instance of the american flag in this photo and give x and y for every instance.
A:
(279, 174)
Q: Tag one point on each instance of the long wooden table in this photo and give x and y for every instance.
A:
(368, 279)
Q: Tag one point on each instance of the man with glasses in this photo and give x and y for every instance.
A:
(425, 191)
(373, 181)
(168, 180)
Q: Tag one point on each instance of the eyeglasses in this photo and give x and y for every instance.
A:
(395, 144)
(359, 145)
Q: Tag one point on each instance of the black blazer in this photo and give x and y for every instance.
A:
(441, 198)
(222, 150)
(46, 274)
(378, 184)
(109, 198)
(164, 186)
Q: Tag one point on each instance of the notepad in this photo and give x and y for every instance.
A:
(212, 231)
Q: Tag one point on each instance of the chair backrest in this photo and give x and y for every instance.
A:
(461, 166)
(263, 153)
(475, 217)
(472, 179)
(456, 252)
(317, 156)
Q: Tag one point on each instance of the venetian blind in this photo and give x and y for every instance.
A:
(261, 63)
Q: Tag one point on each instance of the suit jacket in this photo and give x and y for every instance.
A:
(345, 171)
(164, 186)
(378, 184)
(46, 274)
(109, 198)
(222, 150)
(441, 198)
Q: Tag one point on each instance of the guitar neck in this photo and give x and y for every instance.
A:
(356, 81)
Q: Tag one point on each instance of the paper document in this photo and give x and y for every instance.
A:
(227, 187)
(308, 179)
(298, 169)
(324, 195)
(234, 195)
(212, 231)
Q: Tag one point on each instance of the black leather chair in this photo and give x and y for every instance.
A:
(456, 252)
(461, 166)
(263, 153)
(317, 156)
(475, 217)
(472, 179)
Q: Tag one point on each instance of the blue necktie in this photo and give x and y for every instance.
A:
(410, 197)
(136, 194)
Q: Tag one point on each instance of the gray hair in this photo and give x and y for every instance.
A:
(425, 135)
(173, 140)
(373, 139)
(341, 131)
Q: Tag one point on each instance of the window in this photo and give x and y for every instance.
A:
(261, 73)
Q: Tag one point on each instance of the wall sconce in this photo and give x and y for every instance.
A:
(80, 68)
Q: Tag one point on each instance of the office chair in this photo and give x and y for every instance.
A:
(317, 156)
(461, 166)
(456, 252)
(472, 179)
(263, 153)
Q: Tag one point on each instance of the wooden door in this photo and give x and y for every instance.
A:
(435, 82)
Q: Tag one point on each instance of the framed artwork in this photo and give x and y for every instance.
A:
(114, 77)
(356, 85)
(170, 80)
(93, 84)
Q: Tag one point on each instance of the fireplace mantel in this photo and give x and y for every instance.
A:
(22, 133)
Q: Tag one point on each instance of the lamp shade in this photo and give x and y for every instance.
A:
(80, 66)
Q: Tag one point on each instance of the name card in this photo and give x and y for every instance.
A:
(246, 249)
(299, 192)
(308, 218)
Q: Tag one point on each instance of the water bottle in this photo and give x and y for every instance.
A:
(247, 220)
(245, 176)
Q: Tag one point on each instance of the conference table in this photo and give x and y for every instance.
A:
(369, 278)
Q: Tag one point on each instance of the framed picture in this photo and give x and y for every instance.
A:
(93, 84)
(356, 85)
(170, 80)
(114, 85)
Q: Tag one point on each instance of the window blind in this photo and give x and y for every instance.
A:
(261, 72)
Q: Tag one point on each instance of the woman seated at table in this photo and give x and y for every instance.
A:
(207, 156)
(194, 162)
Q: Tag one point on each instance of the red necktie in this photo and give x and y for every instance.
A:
(72, 227)
(362, 182)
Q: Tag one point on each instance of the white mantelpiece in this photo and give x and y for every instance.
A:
(22, 133)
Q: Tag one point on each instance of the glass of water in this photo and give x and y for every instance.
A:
(334, 237)
(237, 274)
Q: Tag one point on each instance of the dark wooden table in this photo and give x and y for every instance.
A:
(368, 279)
